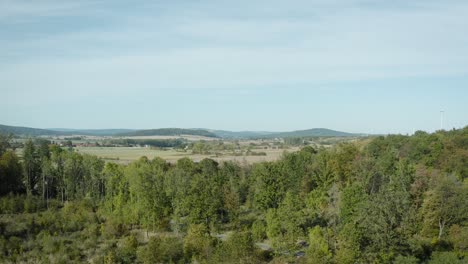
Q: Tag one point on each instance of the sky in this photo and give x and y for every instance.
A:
(374, 66)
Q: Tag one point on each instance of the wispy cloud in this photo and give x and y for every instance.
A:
(173, 50)
(22, 11)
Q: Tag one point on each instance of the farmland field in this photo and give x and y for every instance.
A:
(128, 154)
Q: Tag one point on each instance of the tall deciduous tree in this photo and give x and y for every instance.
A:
(10, 173)
(318, 251)
(31, 165)
(444, 205)
(270, 185)
(5, 142)
(147, 192)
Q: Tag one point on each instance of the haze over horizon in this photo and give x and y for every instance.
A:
(354, 66)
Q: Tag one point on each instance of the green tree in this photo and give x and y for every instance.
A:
(117, 189)
(148, 193)
(198, 244)
(238, 248)
(292, 221)
(406, 260)
(5, 142)
(270, 185)
(457, 236)
(445, 258)
(318, 251)
(161, 250)
(128, 250)
(73, 173)
(234, 187)
(444, 205)
(31, 165)
(93, 177)
(54, 173)
(10, 173)
(258, 230)
(199, 194)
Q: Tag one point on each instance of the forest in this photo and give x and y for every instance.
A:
(387, 199)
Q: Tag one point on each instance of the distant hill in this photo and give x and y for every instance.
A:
(27, 131)
(93, 132)
(169, 132)
(240, 134)
(314, 132)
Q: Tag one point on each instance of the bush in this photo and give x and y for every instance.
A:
(127, 251)
(11, 204)
(54, 204)
(445, 258)
(198, 243)
(406, 260)
(49, 243)
(259, 230)
(50, 221)
(90, 231)
(113, 229)
(33, 204)
(239, 246)
(14, 246)
(161, 250)
(77, 216)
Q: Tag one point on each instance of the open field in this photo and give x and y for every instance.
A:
(243, 151)
(187, 137)
(128, 154)
(100, 138)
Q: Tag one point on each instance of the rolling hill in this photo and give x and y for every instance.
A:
(93, 132)
(239, 134)
(169, 132)
(314, 132)
(28, 131)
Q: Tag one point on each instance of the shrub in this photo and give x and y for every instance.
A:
(406, 260)
(445, 258)
(11, 204)
(113, 229)
(198, 243)
(161, 250)
(259, 230)
(127, 251)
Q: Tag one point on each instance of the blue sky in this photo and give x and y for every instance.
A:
(358, 66)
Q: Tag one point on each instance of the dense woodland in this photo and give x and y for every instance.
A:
(392, 199)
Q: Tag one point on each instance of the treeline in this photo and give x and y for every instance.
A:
(395, 199)
(160, 143)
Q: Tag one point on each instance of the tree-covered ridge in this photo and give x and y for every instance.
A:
(314, 132)
(169, 132)
(29, 131)
(395, 199)
(16, 130)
